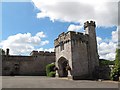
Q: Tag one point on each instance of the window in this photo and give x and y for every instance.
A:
(16, 66)
(61, 46)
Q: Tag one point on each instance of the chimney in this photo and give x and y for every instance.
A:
(7, 51)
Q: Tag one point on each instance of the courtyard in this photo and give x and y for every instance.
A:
(47, 82)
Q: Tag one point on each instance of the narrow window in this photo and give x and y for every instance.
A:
(61, 46)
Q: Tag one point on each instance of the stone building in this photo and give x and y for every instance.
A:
(35, 64)
(75, 56)
(76, 53)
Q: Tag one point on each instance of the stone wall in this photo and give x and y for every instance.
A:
(66, 53)
(104, 72)
(79, 56)
(26, 65)
(0, 64)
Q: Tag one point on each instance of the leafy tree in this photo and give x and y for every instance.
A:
(116, 70)
(103, 62)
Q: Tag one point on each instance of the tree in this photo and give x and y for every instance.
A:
(117, 59)
(116, 70)
(104, 62)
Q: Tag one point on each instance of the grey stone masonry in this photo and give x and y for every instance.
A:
(27, 65)
(80, 52)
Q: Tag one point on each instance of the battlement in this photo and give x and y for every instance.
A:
(68, 36)
(63, 37)
(42, 53)
(62, 34)
(91, 23)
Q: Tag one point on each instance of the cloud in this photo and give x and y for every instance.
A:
(44, 42)
(99, 40)
(73, 27)
(42, 49)
(115, 36)
(104, 12)
(23, 43)
(106, 50)
(40, 34)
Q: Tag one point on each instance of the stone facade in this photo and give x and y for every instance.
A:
(75, 56)
(77, 51)
(35, 64)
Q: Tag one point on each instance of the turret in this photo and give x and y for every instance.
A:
(89, 27)
(92, 45)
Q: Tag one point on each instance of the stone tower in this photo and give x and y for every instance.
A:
(93, 60)
(76, 53)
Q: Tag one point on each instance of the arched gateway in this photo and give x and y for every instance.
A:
(62, 65)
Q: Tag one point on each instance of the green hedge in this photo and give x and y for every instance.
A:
(50, 70)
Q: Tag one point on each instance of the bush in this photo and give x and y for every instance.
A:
(116, 70)
(50, 70)
(52, 74)
(114, 75)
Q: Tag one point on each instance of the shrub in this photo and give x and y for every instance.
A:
(50, 70)
(114, 74)
(116, 70)
(52, 74)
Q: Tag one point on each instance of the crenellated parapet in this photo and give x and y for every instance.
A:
(69, 36)
(42, 53)
(78, 36)
(62, 38)
(89, 23)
